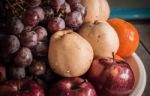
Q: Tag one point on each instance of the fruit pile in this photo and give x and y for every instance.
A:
(64, 48)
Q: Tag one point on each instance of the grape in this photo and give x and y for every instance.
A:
(65, 8)
(56, 4)
(17, 72)
(27, 28)
(31, 17)
(49, 13)
(9, 44)
(37, 68)
(15, 26)
(29, 39)
(23, 57)
(40, 12)
(41, 49)
(33, 3)
(49, 76)
(41, 32)
(79, 7)
(74, 20)
(56, 24)
(73, 2)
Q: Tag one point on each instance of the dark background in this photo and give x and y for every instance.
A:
(130, 9)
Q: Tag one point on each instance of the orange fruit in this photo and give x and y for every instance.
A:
(128, 36)
(117, 57)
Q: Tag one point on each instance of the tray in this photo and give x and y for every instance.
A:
(140, 74)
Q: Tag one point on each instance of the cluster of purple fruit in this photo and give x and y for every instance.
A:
(57, 15)
(24, 68)
(24, 45)
(68, 14)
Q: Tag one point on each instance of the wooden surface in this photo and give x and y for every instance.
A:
(144, 49)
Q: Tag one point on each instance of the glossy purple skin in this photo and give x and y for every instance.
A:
(74, 19)
(56, 24)
(73, 2)
(72, 87)
(2, 73)
(56, 4)
(29, 39)
(41, 32)
(27, 88)
(10, 44)
(40, 12)
(15, 26)
(65, 8)
(79, 7)
(17, 72)
(41, 49)
(116, 79)
(23, 57)
(30, 18)
(38, 67)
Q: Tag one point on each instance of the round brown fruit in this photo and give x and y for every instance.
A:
(69, 54)
(102, 37)
(93, 10)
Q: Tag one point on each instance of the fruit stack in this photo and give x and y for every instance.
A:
(64, 48)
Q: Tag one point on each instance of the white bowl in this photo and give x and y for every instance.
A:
(140, 74)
